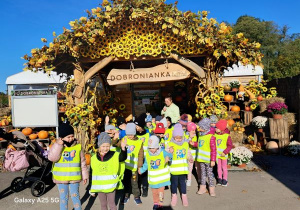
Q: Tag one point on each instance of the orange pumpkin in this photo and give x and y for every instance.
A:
(247, 108)
(33, 136)
(230, 122)
(235, 108)
(260, 98)
(228, 98)
(43, 134)
(87, 159)
(27, 131)
(12, 147)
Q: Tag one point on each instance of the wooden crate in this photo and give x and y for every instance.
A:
(247, 117)
(125, 98)
(279, 130)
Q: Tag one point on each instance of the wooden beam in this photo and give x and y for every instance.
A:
(78, 92)
(190, 64)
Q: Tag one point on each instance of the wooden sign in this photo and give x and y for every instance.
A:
(164, 72)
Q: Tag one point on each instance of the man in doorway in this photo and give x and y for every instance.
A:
(171, 110)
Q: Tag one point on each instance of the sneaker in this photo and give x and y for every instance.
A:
(92, 194)
(224, 182)
(219, 181)
(188, 183)
(137, 201)
(126, 199)
(155, 207)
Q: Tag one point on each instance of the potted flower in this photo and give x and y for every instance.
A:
(241, 156)
(234, 85)
(260, 122)
(277, 109)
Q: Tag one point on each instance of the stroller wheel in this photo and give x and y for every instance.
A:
(17, 184)
(38, 188)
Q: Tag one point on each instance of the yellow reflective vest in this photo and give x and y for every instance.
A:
(168, 135)
(68, 168)
(158, 170)
(180, 159)
(221, 143)
(192, 149)
(144, 138)
(105, 177)
(203, 149)
(133, 149)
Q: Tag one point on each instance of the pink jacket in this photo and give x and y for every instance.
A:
(229, 141)
(213, 147)
(54, 156)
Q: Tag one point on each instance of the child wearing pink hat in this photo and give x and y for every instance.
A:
(224, 145)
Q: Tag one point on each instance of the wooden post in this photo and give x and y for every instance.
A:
(78, 92)
(78, 76)
(279, 130)
(247, 117)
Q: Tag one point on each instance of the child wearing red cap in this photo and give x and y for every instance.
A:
(224, 145)
(159, 132)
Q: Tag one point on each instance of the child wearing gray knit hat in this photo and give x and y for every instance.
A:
(130, 129)
(103, 138)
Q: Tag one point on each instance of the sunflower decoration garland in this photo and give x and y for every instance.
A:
(212, 104)
(259, 89)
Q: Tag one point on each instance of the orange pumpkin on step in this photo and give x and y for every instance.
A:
(260, 98)
(228, 98)
(27, 131)
(230, 122)
(33, 136)
(43, 134)
(87, 159)
(247, 108)
(235, 108)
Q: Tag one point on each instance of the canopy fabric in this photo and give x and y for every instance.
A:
(241, 70)
(29, 77)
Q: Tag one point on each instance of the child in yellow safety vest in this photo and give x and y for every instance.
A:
(107, 171)
(224, 145)
(168, 133)
(206, 157)
(191, 135)
(69, 166)
(179, 147)
(159, 132)
(156, 162)
(135, 156)
(149, 125)
(143, 136)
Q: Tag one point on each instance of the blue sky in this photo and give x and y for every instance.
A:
(24, 23)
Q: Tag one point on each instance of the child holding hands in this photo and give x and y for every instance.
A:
(179, 167)
(69, 166)
(224, 145)
(106, 171)
(156, 161)
(206, 156)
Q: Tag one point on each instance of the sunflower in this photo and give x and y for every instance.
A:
(122, 107)
(84, 113)
(206, 98)
(202, 112)
(110, 114)
(273, 92)
(253, 106)
(209, 112)
(269, 96)
(198, 103)
(104, 112)
(90, 108)
(222, 94)
(264, 89)
(218, 111)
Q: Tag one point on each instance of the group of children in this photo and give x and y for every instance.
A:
(146, 152)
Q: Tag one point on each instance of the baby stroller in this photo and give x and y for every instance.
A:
(39, 170)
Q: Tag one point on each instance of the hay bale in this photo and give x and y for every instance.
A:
(290, 117)
(264, 103)
(237, 137)
(232, 115)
